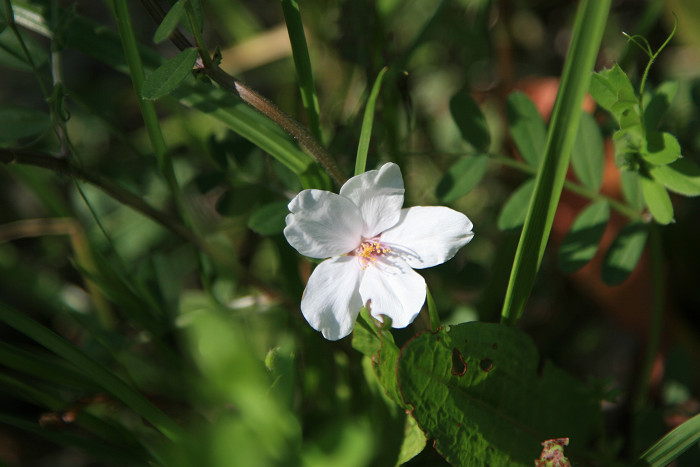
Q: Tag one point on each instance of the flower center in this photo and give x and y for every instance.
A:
(369, 251)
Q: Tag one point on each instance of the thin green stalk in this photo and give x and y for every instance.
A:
(302, 64)
(148, 110)
(657, 313)
(367, 121)
(98, 373)
(587, 35)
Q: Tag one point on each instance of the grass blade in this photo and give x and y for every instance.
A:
(99, 374)
(587, 35)
(367, 121)
(302, 63)
(675, 443)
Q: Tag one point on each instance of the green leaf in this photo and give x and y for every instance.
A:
(624, 253)
(631, 189)
(591, 18)
(659, 103)
(269, 219)
(367, 121)
(612, 90)
(657, 200)
(683, 177)
(588, 154)
(302, 64)
(12, 54)
(170, 22)
(671, 446)
(375, 340)
(17, 123)
(461, 178)
(661, 148)
(481, 391)
(527, 127)
(581, 242)
(514, 211)
(164, 79)
(471, 122)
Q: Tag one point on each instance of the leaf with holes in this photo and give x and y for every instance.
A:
(581, 243)
(461, 178)
(527, 128)
(481, 391)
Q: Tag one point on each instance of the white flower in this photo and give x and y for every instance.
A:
(372, 245)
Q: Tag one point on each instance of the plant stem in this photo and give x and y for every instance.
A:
(656, 323)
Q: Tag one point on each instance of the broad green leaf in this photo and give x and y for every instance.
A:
(659, 103)
(682, 176)
(269, 219)
(513, 214)
(461, 177)
(671, 446)
(527, 127)
(612, 90)
(471, 122)
(164, 79)
(661, 148)
(170, 22)
(588, 154)
(481, 391)
(413, 441)
(624, 253)
(581, 242)
(657, 200)
(631, 189)
(17, 123)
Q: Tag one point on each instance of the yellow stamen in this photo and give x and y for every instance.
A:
(369, 250)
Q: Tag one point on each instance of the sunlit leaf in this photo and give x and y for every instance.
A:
(675, 443)
(470, 120)
(269, 219)
(631, 189)
(164, 79)
(527, 127)
(17, 123)
(481, 391)
(581, 242)
(661, 148)
(624, 253)
(612, 90)
(513, 214)
(657, 200)
(464, 175)
(682, 176)
(588, 156)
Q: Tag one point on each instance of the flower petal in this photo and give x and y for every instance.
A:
(426, 236)
(379, 195)
(395, 290)
(323, 224)
(331, 301)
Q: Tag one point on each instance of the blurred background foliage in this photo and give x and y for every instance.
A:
(218, 343)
